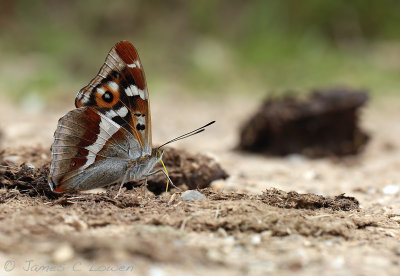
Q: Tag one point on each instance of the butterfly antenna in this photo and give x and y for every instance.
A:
(186, 135)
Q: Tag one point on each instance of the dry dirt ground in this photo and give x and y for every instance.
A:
(249, 224)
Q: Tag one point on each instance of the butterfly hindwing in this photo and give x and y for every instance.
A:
(119, 91)
(89, 151)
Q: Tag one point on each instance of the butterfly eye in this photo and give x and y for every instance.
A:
(108, 97)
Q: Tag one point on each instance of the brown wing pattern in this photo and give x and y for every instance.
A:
(119, 91)
(85, 138)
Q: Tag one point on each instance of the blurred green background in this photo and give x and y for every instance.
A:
(202, 47)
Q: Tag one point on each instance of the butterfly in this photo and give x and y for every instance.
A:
(107, 138)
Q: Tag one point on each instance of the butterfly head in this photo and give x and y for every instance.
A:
(159, 154)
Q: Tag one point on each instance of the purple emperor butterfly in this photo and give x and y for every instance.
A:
(107, 138)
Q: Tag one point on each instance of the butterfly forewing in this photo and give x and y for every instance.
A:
(85, 143)
(119, 91)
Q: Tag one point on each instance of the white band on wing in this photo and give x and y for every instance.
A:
(106, 130)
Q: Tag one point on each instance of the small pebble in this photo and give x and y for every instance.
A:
(156, 271)
(63, 254)
(12, 159)
(295, 158)
(338, 262)
(390, 189)
(192, 195)
(310, 175)
(256, 239)
(29, 166)
(329, 243)
(222, 233)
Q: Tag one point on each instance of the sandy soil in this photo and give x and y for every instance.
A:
(243, 227)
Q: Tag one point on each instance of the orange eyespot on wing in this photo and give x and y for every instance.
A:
(107, 95)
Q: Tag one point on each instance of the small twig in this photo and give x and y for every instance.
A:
(182, 228)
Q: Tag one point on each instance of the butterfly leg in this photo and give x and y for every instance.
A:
(122, 184)
(166, 175)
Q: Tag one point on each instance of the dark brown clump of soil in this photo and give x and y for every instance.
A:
(294, 200)
(26, 178)
(324, 124)
(192, 171)
(186, 171)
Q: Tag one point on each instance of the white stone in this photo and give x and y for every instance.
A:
(390, 189)
(310, 175)
(63, 254)
(30, 166)
(12, 159)
(156, 271)
(256, 239)
(192, 195)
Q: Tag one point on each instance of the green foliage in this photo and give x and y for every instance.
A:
(203, 46)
